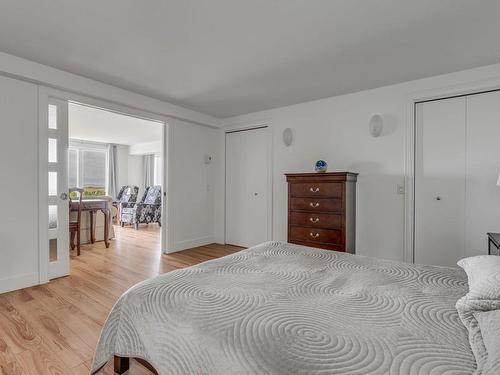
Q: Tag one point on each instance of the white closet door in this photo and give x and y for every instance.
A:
(440, 161)
(247, 185)
(483, 167)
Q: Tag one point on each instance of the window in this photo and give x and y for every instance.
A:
(87, 167)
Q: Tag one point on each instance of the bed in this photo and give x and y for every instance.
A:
(279, 308)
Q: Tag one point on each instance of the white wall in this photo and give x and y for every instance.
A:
(38, 73)
(122, 165)
(19, 178)
(336, 129)
(192, 184)
(146, 148)
(136, 162)
(136, 173)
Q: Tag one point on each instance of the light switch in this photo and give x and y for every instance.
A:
(401, 189)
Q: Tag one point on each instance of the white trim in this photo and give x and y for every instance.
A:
(247, 125)
(87, 145)
(409, 172)
(43, 200)
(264, 124)
(167, 224)
(188, 244)
(26, 70)
(18, 282)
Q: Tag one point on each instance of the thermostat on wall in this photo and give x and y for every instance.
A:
(208, 159)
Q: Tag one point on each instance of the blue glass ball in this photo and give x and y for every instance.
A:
(321, 166)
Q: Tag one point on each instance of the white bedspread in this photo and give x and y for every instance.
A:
(285, 309)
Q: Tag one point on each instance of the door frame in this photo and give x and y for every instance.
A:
(44, 93)
(269, 133)
(465, 89)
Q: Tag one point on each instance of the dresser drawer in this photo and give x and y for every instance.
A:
(315, 235)
(316, 220)
(316, 189)
(316, 204)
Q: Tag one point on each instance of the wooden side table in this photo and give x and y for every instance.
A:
(494, 239)
(92, 206)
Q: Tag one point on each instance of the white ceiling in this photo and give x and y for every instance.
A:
(97, 125)
(228, 57)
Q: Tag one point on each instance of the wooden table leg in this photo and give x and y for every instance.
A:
(92, 227)
(107, 216)
(78, 239)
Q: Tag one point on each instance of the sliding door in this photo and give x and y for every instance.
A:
(19, 267)
(54, 159)
(440, 161)
(483, 169)
(457, 165)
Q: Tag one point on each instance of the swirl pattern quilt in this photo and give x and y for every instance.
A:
(284, 309)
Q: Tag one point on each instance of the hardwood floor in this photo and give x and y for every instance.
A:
(54, 328)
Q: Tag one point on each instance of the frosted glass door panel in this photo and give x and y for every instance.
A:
(57, 183)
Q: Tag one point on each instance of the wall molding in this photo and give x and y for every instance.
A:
(31, 71)
(187, 244)
(18, 282)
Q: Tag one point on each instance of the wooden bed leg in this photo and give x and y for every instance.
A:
(122, 364)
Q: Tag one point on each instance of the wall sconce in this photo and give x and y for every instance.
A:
(376, 125)
(288, 137)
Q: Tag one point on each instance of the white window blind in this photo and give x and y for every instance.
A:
(87, 167)
(93, 167)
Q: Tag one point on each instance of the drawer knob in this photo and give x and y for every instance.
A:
(314, 205)
(314, 219)
(314, 235)
(314, 190)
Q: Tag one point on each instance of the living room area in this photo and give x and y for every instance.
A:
(114, 173)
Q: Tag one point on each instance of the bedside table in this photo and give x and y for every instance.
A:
(494, 238)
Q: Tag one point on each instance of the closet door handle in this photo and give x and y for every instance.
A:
(314, 205)
(314, 190)
(314, 235)
(314, 220)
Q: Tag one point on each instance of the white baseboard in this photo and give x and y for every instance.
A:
(18, 282)
(183, 245)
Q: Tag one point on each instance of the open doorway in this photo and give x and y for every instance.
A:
(115, 164)
(93, 136)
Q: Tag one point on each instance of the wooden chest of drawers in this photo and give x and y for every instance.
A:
(322, 210)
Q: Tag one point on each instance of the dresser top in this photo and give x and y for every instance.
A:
(332, 176)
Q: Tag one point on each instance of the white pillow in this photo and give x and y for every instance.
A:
(489, 326)
(483, 273)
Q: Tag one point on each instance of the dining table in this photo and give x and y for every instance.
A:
(92, 206)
